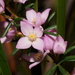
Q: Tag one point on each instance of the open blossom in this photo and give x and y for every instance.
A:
(35, 58)
(10, 34)
(2, 6)
(49, 40)
(59, 45)
(32, 37)
(20, 1)
(37, 19)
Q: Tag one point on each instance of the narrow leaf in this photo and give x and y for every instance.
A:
(28, 6)
(68, 58)
(14, 51)
(3, 62)
(51, 69)
(51, 16)
(51, 33)
(7, 28)
(18, 19)
(69, 49)
(61, 13)
(51, 27)
(62, 70)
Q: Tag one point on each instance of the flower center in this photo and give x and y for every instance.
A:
(32, 37)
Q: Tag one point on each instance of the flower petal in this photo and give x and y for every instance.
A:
(59, 50)
(3, 24)
(26, 27)
(38, 44)
(38, 31)
(5, 39)
(30, 15)
(2, 6)
(48, 42)
(38, 19)
(20, 1)
(33, 64)
(11, 32)
(23, 43)
(45, 14)
(29, 58)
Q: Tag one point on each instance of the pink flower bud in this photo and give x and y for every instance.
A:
(59, 45)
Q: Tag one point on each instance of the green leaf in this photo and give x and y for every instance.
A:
(14, 51)
(7, 28)
(61, 13)
(51, 33)
(69, 49)
(51, 16)
(3, 62)
(68, 58)
(62, 70)
(51, 27)
(51, 69)
(28, 6)
(35, 6)
(18, 19)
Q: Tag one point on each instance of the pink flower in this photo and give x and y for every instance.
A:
(20, 1)
(49, 40)
(59, 45)
(10, 34)
(35, 58)
(2, 6)
(37, 19)
(32, 37)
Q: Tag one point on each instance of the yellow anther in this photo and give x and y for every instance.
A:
(10, 29)
(32, 37)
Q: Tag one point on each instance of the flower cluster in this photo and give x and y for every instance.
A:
(33, 35)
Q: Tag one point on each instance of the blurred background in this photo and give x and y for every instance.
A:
(19, 66)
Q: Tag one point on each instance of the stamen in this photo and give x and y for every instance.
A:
(10, 29)
(38, 56)
(34, 21)
(32, 37)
